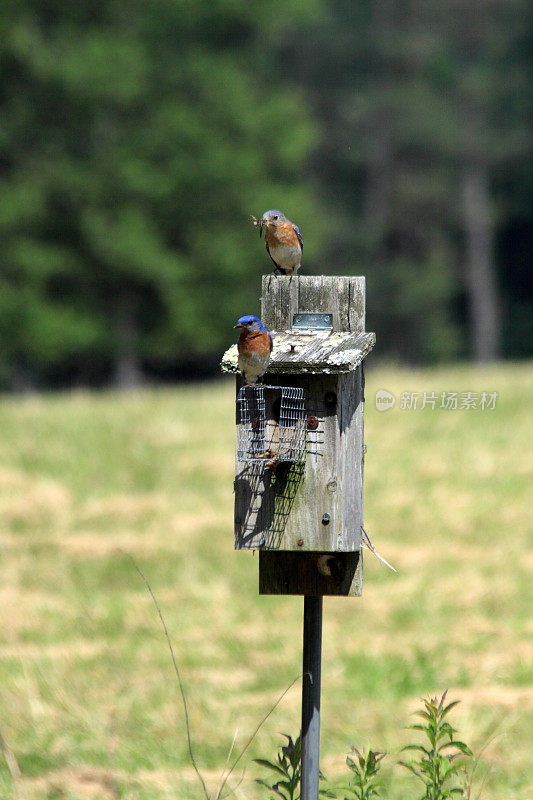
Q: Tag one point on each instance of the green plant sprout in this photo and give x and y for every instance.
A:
(288, 767)
(363, 785)
(438, 764)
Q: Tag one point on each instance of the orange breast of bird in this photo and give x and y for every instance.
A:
(254, 343)
(283, 234)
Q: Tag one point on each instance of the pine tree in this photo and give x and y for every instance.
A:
(138, 139)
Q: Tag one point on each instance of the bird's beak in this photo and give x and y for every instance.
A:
(238, 325)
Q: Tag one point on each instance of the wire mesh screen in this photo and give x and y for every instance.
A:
(251, 422)
(271, 424)
(292, 425)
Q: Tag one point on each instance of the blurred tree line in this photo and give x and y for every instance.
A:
(136, 138)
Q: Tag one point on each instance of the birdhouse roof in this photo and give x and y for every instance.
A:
(311, 352)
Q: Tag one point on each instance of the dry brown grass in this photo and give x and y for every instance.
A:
(87, 697)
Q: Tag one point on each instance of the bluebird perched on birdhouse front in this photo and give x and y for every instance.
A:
(254, 347)
(283, 240)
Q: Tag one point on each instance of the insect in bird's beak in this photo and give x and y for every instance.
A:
(258, 224)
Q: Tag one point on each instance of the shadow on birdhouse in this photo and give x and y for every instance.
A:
(266, 496)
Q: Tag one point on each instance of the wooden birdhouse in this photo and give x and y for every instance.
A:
(299, 438)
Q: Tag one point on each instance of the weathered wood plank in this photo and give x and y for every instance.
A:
(311, 352)
(343, 296)
(270, 309)
(356, 304)
(350, 460)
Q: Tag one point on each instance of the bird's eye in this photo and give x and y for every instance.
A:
(275, 216)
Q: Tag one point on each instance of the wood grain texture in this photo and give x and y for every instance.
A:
(343, 296)
(315, 353)
(349, 493)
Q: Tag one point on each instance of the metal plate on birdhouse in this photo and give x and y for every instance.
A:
(312, 322)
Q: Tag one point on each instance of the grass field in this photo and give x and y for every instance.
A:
(89, 707)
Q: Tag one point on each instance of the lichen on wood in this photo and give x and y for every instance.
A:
(311, 353)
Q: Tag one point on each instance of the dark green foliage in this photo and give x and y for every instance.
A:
(442, 756)
(137, 138)
(286, 768)
(413, 98)
(365, 767)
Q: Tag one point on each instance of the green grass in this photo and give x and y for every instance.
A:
(88, 701)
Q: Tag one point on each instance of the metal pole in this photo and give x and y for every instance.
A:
(312, 652)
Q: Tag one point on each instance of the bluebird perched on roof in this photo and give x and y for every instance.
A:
(283, 240)
(254, 346)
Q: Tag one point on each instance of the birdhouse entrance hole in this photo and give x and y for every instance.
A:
(271, 423)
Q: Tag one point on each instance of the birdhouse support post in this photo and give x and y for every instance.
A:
(312, 660)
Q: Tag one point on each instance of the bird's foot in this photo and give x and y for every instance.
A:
(267, 454)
